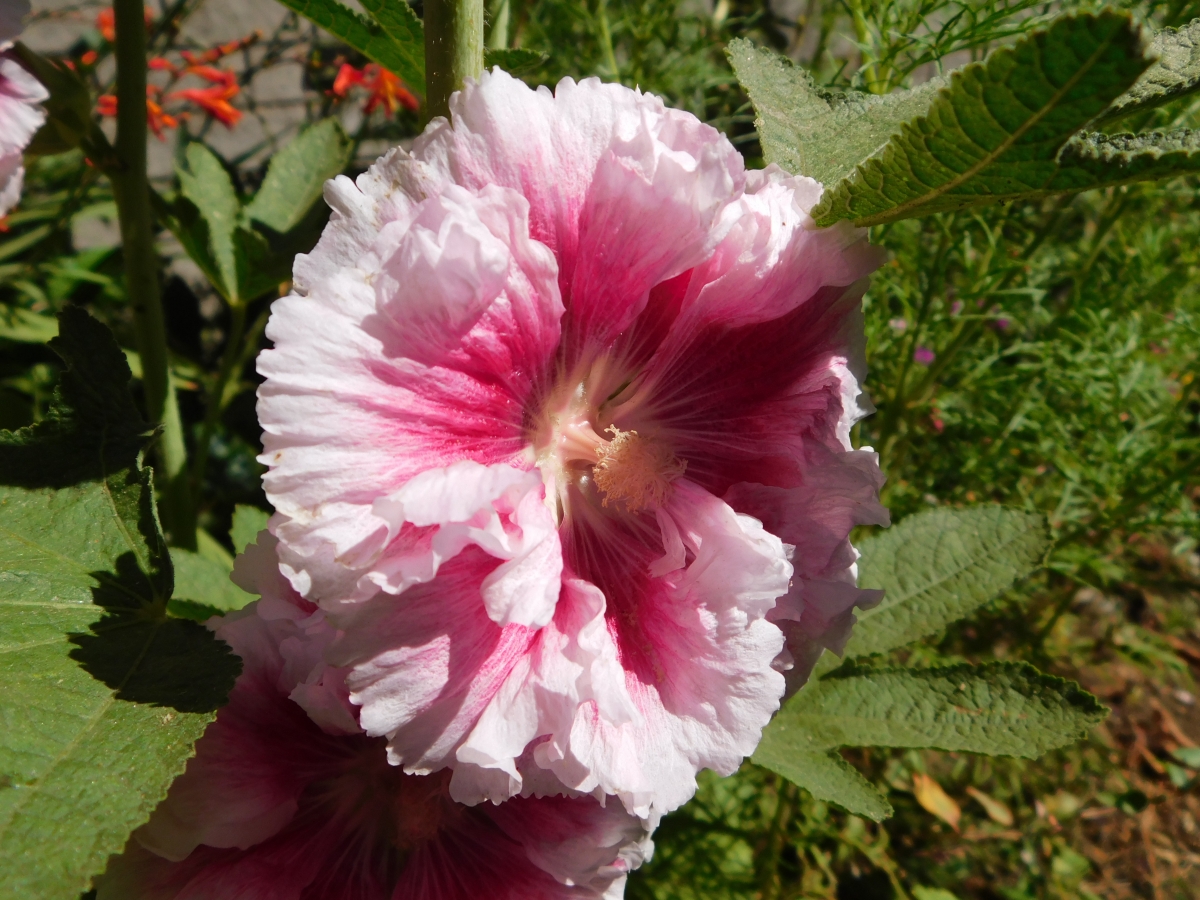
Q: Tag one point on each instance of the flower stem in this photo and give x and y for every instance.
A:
(606, 44)
(132, 194)
(216, 398)
(453, 49)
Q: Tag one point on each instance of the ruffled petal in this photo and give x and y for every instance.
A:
(369, 386)
(629, 705)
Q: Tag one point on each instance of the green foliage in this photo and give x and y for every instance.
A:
(202, 580)
(514, 59)
(821, 133)
(821, 771)
(939, 566)
(246, 248)
(297, 175)
(1175, 75)
(104, 694)
(1001, 709)
(936, 568)
(394, 38)
(248, 521)
(995, 133)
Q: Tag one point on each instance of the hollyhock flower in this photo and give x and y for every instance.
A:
(557, 422)
(21, 114)
(278, 805)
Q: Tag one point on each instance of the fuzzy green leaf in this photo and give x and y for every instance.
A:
(297, 175)
(995, 133)
(202, 580)
(205, 184)
(1008, 709)
(1100, 160)
(104, 695)
(1175, 75)
(372, 39)
(248, 521)
(939, 566)
(514, 60)
(1001, 709)
(825, 775)
(407, 32)
(816, 132)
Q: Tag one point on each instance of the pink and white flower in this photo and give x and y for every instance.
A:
(557, 421)
(279, 805)
(20, 112)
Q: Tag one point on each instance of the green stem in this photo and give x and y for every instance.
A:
(606, 44)
(453, 50)
(132, 194)
(216, 398)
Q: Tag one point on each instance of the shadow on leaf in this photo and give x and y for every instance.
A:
(172, 663)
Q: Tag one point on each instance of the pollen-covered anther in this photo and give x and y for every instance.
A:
(635, 470)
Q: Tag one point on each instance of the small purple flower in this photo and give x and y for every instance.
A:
(1001, 324)
(923, 356)
(956, 307)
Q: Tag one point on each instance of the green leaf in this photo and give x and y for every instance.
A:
(104, 694)
(1175, 75)
(204, 581)
(939, 566)
(297, 175)
(826, 776)
(514, 60)
(816, 132)
(1001, 709)
(1008, 709)
(248, 521)
(188, 609)
(928, 893)
(26, 326)
(372, 39)
(204, 182)
(1100, 160)
(407, 32)
(995, 133)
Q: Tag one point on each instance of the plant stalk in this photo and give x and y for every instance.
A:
(453, 50)
(217, 400)
(132, 194)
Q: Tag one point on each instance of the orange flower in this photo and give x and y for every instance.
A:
(214, 100)
(386, 90)
(213, 54)
(156, 117)
(106, 22)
